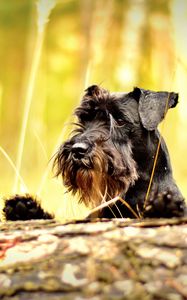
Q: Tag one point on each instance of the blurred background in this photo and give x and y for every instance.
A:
(50, 51)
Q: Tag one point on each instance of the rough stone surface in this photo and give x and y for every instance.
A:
(116, 259)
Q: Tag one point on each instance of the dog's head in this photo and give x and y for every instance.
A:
(97, 161)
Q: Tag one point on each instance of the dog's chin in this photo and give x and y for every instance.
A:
(94, 187)
(89, 185)
(89, 177)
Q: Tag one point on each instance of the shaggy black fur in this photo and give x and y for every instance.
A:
(111, 152)
(24, 207)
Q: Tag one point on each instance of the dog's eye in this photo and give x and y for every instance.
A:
(120, 122)
(117, 115)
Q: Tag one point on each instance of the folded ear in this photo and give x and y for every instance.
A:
(153, 106)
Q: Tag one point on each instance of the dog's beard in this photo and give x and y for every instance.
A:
(98, 177)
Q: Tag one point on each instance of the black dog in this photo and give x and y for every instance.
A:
(112, 152)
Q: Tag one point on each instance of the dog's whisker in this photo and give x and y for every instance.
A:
(139, 212)
(106, 204)
(103, 197)
(104, 200)
(119, 211)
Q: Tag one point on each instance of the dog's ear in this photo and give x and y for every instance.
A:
(153, 106)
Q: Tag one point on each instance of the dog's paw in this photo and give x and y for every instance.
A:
(24, 207)
(164, 205)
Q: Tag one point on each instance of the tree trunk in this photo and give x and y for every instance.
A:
(100, 259)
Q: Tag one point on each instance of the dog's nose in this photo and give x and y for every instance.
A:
(80, 149)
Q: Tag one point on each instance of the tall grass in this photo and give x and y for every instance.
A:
(5, 154)
(44, 8)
